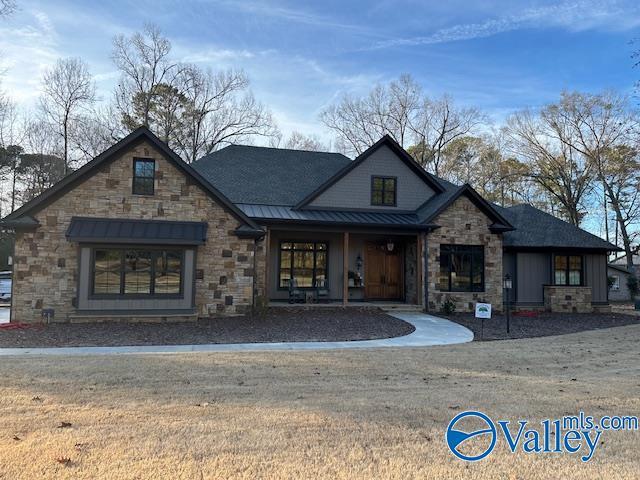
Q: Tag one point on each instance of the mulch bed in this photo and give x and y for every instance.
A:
(540, 324)
(277, 325)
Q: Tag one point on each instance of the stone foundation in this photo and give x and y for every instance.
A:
(567, 299)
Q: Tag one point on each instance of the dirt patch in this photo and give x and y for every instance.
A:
(277, 325)
(540, 324)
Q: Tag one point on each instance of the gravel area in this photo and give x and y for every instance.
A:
(277, 325)
(540, 324)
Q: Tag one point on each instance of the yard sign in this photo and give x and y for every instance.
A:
(483, 310)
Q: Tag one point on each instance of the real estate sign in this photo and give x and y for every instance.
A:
(483, 310)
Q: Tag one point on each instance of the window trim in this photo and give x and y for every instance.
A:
(461, 248)
(567, 269)
(126, 296)
(315, 250)
(395, 190)
(134, 176)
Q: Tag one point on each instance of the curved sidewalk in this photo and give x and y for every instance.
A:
(429, 331)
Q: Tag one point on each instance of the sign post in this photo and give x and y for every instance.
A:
(483, 310)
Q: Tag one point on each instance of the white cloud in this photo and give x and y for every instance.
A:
(28, 46)
(572, 15)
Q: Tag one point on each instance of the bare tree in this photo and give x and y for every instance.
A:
(219, 109)
(7, 8)
(96, 131)
(144, 63)
(299, 141)
(12, 134)
(437, 123)
(599, 125)
(400, 109)
(68, 89)
(560, 170)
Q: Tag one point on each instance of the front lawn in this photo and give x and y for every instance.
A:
(350, 414)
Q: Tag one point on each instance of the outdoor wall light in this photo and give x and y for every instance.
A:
(390, 246)
(508, 283)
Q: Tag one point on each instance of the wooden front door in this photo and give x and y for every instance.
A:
(383, 273)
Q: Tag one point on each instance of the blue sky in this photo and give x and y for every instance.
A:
(300, 56)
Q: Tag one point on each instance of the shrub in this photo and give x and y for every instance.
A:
(448, 307)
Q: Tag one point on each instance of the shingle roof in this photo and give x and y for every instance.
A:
(268, 176)
(118, 230)
(535, 228)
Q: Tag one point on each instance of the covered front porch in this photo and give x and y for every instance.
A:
(347, 267)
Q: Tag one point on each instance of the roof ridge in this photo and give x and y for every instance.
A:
(324, 152)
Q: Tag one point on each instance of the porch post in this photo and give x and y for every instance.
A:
(345, 269)
(419, 269)
(267, 251)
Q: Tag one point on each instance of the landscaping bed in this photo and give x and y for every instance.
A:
(277, 325)
(539, 324)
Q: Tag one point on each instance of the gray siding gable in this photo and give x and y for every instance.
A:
(353, 190)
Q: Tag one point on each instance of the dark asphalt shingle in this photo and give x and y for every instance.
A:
(266, 182)
(268, 176)
(535, 228)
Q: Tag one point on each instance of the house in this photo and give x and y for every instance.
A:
(139, 234)
(619, 291)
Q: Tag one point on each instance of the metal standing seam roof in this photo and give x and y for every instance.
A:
(288, 214)
(154, 232)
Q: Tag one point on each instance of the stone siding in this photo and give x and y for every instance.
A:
(46, 264)
(560, 298)
(464, 224)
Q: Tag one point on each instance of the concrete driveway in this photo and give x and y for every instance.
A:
(429, 331)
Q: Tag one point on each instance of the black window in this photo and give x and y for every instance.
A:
(304, 261)
(144, 170)
(567, 270)
(135, 271)
(461, 268)
(383, 191)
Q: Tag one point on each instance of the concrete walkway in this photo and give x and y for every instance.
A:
(429, 331)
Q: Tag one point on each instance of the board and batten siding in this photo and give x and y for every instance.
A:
(533, 271)
(595, 276)
(354, 189)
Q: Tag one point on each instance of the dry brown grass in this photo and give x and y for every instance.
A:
(343, 414)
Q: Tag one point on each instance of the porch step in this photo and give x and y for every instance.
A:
(401, 308)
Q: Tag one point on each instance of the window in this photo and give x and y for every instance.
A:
(137, 272)
(461, 268)
(383, 191)
(304, 261)
(615, 282)
(144, 170)
(567, 270)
